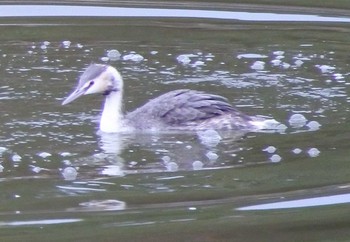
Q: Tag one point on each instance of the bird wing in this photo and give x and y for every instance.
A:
(184, 106)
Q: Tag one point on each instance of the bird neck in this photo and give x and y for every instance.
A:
(111, 119)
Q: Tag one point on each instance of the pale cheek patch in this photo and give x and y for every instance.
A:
(100, 85)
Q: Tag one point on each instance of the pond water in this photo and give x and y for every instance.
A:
(61, 179)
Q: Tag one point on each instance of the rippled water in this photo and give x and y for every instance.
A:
(62, 179)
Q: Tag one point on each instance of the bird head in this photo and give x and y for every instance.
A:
(97, 78)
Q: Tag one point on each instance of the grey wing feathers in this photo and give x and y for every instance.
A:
(182, 106)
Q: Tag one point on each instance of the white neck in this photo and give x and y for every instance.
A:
(111, 119)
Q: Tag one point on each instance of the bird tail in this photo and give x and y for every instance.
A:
(265, 124)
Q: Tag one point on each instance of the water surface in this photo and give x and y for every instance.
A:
(61, 179)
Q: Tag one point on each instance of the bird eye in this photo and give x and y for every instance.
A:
(91, 83)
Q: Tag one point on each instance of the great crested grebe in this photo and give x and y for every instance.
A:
(182, 109)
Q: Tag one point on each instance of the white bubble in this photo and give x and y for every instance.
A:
(133, 57)
(258, 65)
(154, 52)
(46, 43)
(197, 165)
(44, 154)
(66, 43)
(16, 158)
(281, 128)
(209, 137)
(172, 166)
(69, 173)
(185, 58)
(113, 55)
(313, 125)
(313, 152)
(275, 158)
(296, 151)
(212, 156)
(297, 120)
(270, 149)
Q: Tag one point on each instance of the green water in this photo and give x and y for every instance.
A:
(63, 181)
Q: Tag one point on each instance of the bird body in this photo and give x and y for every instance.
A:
(188, 110)
(182, 109)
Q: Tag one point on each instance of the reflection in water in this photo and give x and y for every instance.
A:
(89, 11)
(40, 222)
(301, 203)
(176, 151)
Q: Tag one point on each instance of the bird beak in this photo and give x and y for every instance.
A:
(74, 95)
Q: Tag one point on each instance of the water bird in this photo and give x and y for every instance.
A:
(182, 109)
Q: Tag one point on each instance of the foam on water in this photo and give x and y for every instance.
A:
(270, 149)
(313, 125)
(209, 137)
(258, 65)
(297, 151)
(172, 166)
(197, 165)
(297, 120)
(313, 152)
(113, 55)
(185, 59)
(16, 158)
(133, 57)
(325, 68)
(275, 158)
(212, 156)
(44, 154)
(69, 173)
